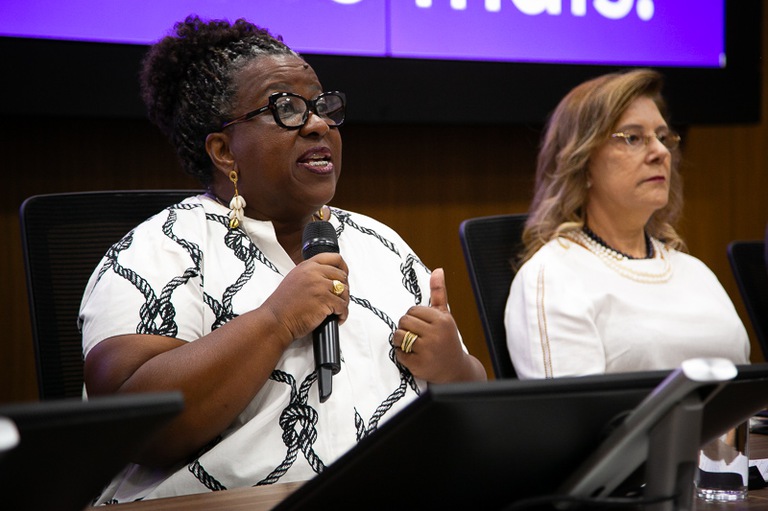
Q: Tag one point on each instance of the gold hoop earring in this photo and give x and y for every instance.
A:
(236, 205)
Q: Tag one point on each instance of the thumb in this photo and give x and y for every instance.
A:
(439, 294)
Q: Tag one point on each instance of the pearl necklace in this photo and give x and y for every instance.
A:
(621, 264)
(649, 253)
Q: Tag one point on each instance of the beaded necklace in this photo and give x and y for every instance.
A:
(622, 263)
(648, 245)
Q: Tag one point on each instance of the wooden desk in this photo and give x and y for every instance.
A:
(259, 498)
(263, 498)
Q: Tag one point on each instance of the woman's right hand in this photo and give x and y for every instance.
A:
(210, 371)
(305, 297)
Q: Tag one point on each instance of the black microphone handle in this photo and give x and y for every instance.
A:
(325, 344)
(321, 237)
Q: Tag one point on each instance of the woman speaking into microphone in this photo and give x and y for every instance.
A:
(213, 296)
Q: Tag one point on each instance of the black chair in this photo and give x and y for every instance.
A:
(490, 244)
(748, 262)
(64, 236)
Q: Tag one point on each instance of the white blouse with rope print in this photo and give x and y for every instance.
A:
(183, 273)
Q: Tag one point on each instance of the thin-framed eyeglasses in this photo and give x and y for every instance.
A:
(636, 140)
(291, 111)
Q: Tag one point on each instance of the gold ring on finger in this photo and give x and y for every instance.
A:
(338, 287)
(408, 340)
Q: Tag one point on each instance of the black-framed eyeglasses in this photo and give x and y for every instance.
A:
(291, 111)
(637, 140)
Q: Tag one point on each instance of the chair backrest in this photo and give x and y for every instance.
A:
(490, 244)
(748, 262)
(64, 236)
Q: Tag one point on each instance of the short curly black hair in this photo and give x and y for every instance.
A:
(187, 82)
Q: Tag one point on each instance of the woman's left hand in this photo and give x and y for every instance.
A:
(437, 354)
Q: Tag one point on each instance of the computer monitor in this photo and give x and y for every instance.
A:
(664, 433)
(69, 449)
(488, 445)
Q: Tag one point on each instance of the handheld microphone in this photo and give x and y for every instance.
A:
(321, 237)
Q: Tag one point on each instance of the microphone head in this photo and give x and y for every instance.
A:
(319, 237)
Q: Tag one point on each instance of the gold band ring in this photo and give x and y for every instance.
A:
(338, 287)
(408, 340)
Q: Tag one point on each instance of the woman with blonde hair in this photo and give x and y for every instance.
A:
(604, 284)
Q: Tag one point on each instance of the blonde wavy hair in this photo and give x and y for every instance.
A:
(581, 123)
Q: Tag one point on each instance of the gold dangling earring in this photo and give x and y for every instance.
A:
(236, 205)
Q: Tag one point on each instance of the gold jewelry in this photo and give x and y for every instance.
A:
(408, 340)
(236, 205)
(338, 287)
(319, 215)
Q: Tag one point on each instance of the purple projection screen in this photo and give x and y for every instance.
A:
(681, 33)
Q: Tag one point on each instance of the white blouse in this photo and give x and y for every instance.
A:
(183, 273)
(573, 310)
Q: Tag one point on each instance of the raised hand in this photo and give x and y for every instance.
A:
(429, 342)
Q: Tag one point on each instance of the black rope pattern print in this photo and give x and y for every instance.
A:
(344, 219)
(244, 250)
(298, 420)
(406, 378)
(298, 412)
(410, 280)
(204, 477)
